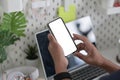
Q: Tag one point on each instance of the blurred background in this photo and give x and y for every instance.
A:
(106, 26)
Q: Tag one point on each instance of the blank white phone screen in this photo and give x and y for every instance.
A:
(62, 36)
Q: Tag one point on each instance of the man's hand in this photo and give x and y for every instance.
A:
(57, 54)
(93, 57)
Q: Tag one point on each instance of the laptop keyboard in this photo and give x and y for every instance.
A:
(87, 73)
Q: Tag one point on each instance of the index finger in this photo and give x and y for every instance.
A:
(79, 37)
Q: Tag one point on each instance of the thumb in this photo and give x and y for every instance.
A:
(51, 38)
(79, 55)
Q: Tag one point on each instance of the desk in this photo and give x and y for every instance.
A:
(108, 53)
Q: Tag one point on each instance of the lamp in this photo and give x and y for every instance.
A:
(11, 5)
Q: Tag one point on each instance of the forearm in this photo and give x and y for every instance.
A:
(109, 66)
(59, 68)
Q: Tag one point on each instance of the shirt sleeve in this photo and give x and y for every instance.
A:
(112, 76)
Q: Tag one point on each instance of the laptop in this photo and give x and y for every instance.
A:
(78, 69)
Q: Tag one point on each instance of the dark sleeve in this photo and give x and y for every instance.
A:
(62, 75)
(112, 76)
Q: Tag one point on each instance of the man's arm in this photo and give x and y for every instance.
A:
(94, 57)
(109, 66)
(57, 54)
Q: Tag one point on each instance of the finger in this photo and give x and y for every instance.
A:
(51, 38)
(79, 37)
(81, 46)
(80, 55)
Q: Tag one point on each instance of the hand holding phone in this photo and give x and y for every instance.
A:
(63, 36)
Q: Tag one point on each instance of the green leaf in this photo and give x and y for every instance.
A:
(15, 22)
(3, 55)
(31, 51)
(11, 28)
(7, 38)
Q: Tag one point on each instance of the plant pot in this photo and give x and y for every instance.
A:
(1, 70)
(2, 73)
(33, 63)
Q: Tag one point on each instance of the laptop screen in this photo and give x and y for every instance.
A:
(81, 26)
(46, 57)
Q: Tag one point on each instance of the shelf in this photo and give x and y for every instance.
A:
(108, 11)
(113, 10)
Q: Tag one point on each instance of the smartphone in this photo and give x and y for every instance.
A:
(61, 33)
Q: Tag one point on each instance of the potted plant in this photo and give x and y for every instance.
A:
(32, 57)
(12, 28)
